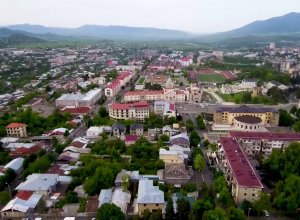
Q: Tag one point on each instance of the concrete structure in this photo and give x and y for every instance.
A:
(171, 157)
(123, 111)
(94, 131)
(145, 95)
(195, 93)
(149, 197)
(226, 115)
(79, 100)
(247, 123)
(43, 184)
(17, 130)
(248, 84)
(254, 143)
(115, 87)
(164, 108)
(176, 174)
(242, 179)
(137, 129)
(118, 130)
(181, 140)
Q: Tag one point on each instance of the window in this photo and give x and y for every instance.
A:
(156, 204)
(253, 194)
(145, 204)
(245, 194)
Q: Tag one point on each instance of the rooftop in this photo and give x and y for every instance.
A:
(249, 119)
(244, 109)
(126, 106)
(149, 194)
(242, 170)
(266, 135)
(16, 125)
(38, 182)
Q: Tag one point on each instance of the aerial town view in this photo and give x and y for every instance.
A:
(161, 109)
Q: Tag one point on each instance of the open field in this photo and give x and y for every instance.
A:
(218, 78)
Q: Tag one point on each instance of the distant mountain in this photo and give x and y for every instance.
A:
(14, 38)
(283, 25)
(105, 32)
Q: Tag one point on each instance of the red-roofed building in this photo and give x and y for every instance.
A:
(16, 130)
(145, 95)
(263, 142)
(115, 87)
(124, 111)
(130, 139)
(239, 173)
(78, 111)
(23, 151)
(24, 195)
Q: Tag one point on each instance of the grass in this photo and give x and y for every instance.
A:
(218, 78)
(141, 81)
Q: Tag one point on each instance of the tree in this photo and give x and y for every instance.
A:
(200, 122)
(194, 139)
(125, 182)
(217, 214)
(235, 214)
(164, 138)
(296, 126)
(285, 119)
(71, 197)
(170, 214)
(263, 203)
(189, 125)
(103, 112)
(183, 209)
(246, 97)
(225, 197)
(4, 197)
(200, 206)
(199, 162)
(293, 110)
(110, 212)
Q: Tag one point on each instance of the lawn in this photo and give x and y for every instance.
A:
(218, 78)
(141, 80)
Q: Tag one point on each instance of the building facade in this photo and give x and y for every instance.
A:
(16, 130)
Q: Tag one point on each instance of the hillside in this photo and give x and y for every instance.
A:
(19, 38)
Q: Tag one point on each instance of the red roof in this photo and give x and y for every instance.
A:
(80, 110)
(239, 163)
(131, 138)
(25, 151)
(145, 92)
(16, 125)
(265, 135)
(55, 169)
(126, 106)
(24, 195)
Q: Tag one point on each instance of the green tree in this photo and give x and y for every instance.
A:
(263, 203)
(194, 139)
(225, 197)
(164, 138)
(189, 125)
(183, 209)
(71, 197)
(199, 162)
(170, 214)
(200, 122)
(103, 112)
(246, 97)
(125, 182)
(236, 214)
(217, 214)
(200, 206)
(293, 110)
(4, 197)
(285, 119)
(296, 126)
(110, 212)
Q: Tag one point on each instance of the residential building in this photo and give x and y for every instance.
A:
(242, 179)
(248, 84)
(176, 95)
(15, 164)
(171, 157)
(123, 111)
(176, 174)
(94, 131)
(118, 130)
(115, 87)
(16, 130)
(226, 115)
(255, 143)
(149, 197)
(43, 184)
(181, 140)
(137, 129)
(186, 61)
(144, 95)
(164, 108)
(130, 139)
(105, 196)
(195, 93)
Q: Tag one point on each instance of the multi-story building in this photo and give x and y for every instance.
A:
(145, 95)
(241, 177)
(164, 108)
(248, 84)
(78, 100)
(226, 115)
(171, 156)
(195, 93)
(115, 87)
(149, 197)
(124, 111)
(16, 130)
(254, 143)
(176, 95)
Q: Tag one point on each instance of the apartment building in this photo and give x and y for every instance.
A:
(145, 95)
(241, 177)
(171, 157)
(16, 130)
(226, 115)
(254, 143)
(124, 111)
(115, 87)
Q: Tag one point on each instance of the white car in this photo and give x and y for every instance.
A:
(266, 213)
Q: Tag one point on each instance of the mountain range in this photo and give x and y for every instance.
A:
(286, 25)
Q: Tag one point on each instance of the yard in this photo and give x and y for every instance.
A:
(218, 78)
(141, 80)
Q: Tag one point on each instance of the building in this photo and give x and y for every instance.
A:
(145, 95)
(272, 46)
(248, 84)
(43, 184)
(115, 87)
(16, 130)
(218, 54)
(78, 100)
(149, 197)
(130, 139)
(176, 174)
(137, 129)
(15, 164)
(242, 179)
(181, 140)
(171, 157)
(226, 115)
(186, 61)
(123, 111)
(195, 93)
(255, 143)
(24, 203)
(164, 108)
(94, 132)
(176, 95)
(118, 130)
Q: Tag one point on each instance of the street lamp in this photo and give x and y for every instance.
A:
(248, 212)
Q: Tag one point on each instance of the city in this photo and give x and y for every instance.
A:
(148, 129)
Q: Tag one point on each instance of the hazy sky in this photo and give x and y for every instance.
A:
(199, 16)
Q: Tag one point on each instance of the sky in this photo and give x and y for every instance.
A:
(196, 16)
